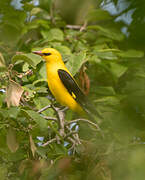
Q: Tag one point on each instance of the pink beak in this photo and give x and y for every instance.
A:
(38, 53)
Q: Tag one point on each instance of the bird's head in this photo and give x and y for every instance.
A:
(49, 54)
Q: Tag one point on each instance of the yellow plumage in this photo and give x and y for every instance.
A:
(54, 62)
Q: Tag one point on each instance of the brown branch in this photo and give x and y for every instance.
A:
(49, 118)
(75, 136)
(77, 27)
(87, 121)
(73, 26)
(70, 133)
(49, 142)
(44, 108)
(84, 26)
(60, 115)
(64, 109)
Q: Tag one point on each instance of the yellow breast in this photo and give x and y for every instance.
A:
(58, 89)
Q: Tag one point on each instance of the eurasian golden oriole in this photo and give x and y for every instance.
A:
(62, 84)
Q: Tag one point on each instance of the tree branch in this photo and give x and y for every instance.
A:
(49, 142)
(44, 108)
(77, 27)
(60, 115)
(49, 118)
(87, 121)
(73, 26)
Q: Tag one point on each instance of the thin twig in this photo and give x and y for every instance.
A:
(75, 136)
(64, 109)
(44, 108)
(70, 133)
(85, 120)
(49, 118)
(49, 142)
(84, 26)
(73, 26)
(77, 27)
(73, 144)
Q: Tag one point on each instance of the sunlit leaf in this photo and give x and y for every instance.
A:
(75, 62)
(53, 34)
(34, 11)
(31, 59)
(25, 67)
(13, 93)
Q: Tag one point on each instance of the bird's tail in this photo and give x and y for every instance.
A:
(91, 110)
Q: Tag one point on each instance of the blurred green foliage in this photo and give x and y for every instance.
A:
(87, 36)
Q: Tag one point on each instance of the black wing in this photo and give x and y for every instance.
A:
(71, 86)
(74, 89)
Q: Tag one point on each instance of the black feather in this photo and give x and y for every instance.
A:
(73, 88)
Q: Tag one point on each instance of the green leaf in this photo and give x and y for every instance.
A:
(41, 89)
(2, 63)
(105, 91)
(25, 67)
(31, 59)
(2, 60)
(117, 69)
(32, 145)
(13, 112)
(42, 102)
(2, 98)
(132, 53)
(75, 62)
(63, 49)
(53, 34)
(3, 172)
(39, 80)
(40, 121)
(11, 140)
(60, 149)
(35, 11)
(42, 71)
(108, 100)
(103, 54)
(95, 59)
(98, 15)
(108, 32)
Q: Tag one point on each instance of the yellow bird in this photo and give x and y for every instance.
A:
(61, 83)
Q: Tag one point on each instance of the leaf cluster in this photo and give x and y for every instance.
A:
(54, 143)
